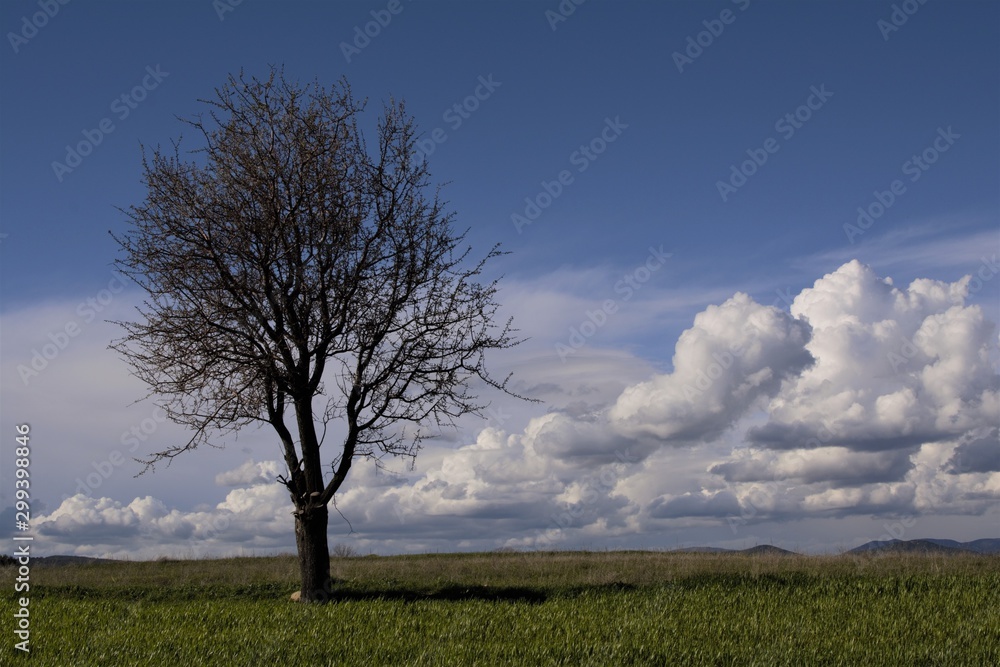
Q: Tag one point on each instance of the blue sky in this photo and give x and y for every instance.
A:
(864, 101)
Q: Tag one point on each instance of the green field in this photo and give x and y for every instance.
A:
(613, 608)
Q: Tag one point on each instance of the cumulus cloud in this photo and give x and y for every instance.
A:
(894, 368)
(898, 413)
(257, 516)
(718, 504)
(824, 464)
(977, 454)
(94, 517)
(735, 354)
(250, 473)
(585, 440)
(873, 499)
(864, 399)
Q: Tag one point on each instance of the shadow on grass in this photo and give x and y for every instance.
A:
(459, 593)
(448, 594)
(342, 593)
(194, 593)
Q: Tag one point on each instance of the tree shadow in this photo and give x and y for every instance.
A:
(517, 594)
(459, 593)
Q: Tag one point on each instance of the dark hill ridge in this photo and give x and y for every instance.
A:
(983, 546)
(931, 546)
(988, 546)
(759, 550)
(70, 560)
(936, 546)
(767, 550)
(56, 560)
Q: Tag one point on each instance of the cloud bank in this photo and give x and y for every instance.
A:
(863, 399)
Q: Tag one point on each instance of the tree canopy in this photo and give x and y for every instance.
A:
(283, 262)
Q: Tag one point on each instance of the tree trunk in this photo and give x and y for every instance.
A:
(314, 554)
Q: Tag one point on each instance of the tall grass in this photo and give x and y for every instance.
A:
(531, 569)
(614, 608)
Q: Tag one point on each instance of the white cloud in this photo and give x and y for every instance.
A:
(823, 464)
(734, 354)
(255, 517)
(250, 473)
(976, 454)
(865, 399)
(894, 368)
(717, 504)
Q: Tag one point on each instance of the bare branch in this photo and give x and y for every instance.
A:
(283, 262)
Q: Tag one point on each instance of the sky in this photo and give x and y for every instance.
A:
(753, 249)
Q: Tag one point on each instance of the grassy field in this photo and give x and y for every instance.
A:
(614, 608)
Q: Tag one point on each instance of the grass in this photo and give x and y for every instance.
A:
(614, 608)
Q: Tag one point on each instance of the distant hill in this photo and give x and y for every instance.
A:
(69, 560)
(983, 546)
(928, 546)
(759, 550)
(989, 546)
(767, 550)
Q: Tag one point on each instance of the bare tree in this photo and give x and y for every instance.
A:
(285, 265)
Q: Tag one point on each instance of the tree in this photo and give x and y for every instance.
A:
(287, 265)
